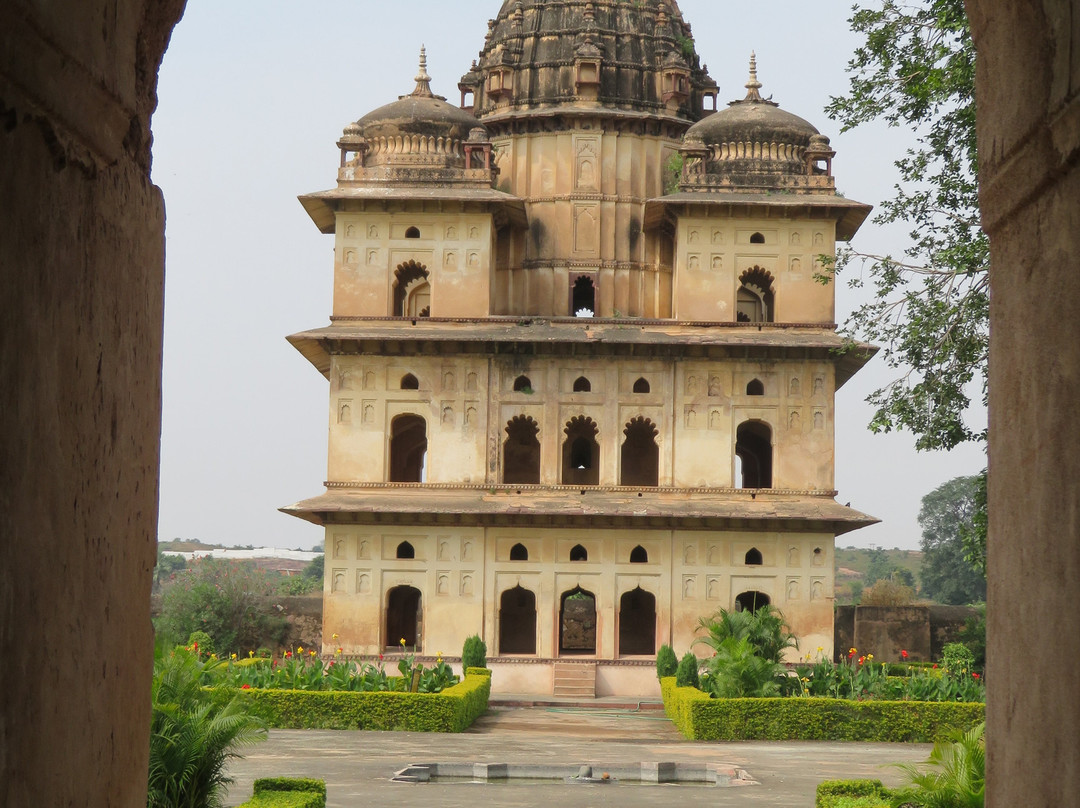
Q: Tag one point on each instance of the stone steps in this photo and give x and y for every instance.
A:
(575, 679)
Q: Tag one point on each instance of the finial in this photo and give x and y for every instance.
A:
(423, 80)
(753, 85)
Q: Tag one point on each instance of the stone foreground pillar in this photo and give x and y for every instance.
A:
(81, 281)
(1029, 147)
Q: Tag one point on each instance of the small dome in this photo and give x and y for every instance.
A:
(421, 113)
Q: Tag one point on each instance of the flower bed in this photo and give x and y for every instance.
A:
(700, 717)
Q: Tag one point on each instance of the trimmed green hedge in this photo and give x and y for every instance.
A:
(701, 718)
(452, 710)
(287, 792)
(852, 794)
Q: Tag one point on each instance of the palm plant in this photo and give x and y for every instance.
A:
(192, 738)
(737, 671)
(763, 628)
(957, 775)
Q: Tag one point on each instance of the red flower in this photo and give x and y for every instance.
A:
(245, 687)
(380, 657)
(975, 675)
(903, 654)
(862, 659)
(935, 666)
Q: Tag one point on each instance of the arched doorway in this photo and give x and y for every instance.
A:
(403, 617)
(577, 622)
(581, 452)
(637, 623)
(753, 450)
(751, 601)
(408, 449)
(521, 452)
(640, 461)
(517, 621)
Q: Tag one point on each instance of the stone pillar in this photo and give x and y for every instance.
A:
(1029, 145)
(81, 261)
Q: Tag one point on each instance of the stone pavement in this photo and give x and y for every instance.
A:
(357, 766)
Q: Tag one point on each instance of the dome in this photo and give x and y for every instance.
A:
(624, 57)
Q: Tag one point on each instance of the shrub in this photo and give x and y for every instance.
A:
(686, 675)
(888, 592)
(957, 659)
(957, 775)
(736, 671)
(666, 662)
(201, 642)
(973, 635)
(764, 629)
(851, 794)
(193, 734)
(473, 653)
(287, 792)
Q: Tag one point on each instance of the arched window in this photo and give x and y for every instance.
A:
(637, 623)
(522, 385)
(641, 386)
(751, 601)
(581, 452)
(412, 291)
(519, 552)
(639, 555)
(755, 388)
(640, 461)
(583, 297)
(408, 449)
(757, 238)
(403, 618)
(754, 301)
(406, 550)
(412, 232)
(753, 557)
(582, 385)
(410, 382)
(753, 447)
(577, 622)
(521, 452)
(517, 621)
(579, 553)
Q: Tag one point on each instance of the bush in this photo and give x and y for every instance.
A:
(201, 642)
(851, 794)
(957, 773)
(686, 675)
(888, 592)
(764, 629)
(736, 671)
(222, 599)
(287, 792)
(473, 653)
(699, 717)
(666, 662)
(957, 659)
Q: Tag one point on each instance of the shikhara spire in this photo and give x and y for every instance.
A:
(752, 84)
(423, 80)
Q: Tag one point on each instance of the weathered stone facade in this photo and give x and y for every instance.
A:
(578, 355)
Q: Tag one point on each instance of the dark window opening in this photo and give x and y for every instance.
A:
(641, 386)
(582, 385)
(751, 601)
(753, 448)
(581, 453)
(522, 385)
(577, 622)
(637, 623)
(517, 621)
(755, 388)
(412, 291)
(639, 555)
(755, 299)
(579, 553)
(406, 550)
(521, 452)
(583, 297)
(410, 382)
(412, 232)
(757, 238)
(640, 462)
(403, 618)
(408, 449)
(753, 557)
(519, 552)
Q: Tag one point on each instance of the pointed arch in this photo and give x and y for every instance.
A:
(640, 457)
(581, 452)
(522, 384)
(755, 387)
(751, 601)
(755, 298)
(753, 448)
(517, 621)
(577, 622)
(582, 385)
(637, 623)
(579, 553)
(521, 452)
(405, 550)
(519, 552)
(639, 555)
(410, 382)
(753, 557)
(642, 385)
(412, 290)
(583, 297)
(404, 618)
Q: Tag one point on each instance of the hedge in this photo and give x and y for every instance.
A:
(702, 718)
(852, 794)
(452, 710)
(287, 792)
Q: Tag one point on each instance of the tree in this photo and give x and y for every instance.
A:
(166, 567)
(947, 513)
(930, 308)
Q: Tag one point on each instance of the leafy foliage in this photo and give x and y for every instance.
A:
(888, 592)
(287, 792)
(764, 629)
(956, 777)
(167, 567)
(738, 671)
(851, 794)
(946, 516)
(192, 736)
(687, 673)
(859, 677)
(473, 653)
(666, 662)
(916, 69)
(222, 599)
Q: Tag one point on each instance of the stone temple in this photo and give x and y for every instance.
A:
(582, 365)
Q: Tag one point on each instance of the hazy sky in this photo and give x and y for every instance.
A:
(253, 97)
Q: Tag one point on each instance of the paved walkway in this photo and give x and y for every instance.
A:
(357, 766)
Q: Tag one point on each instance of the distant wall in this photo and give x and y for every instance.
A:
(885, 631)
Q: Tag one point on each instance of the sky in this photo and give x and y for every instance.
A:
(253, 97)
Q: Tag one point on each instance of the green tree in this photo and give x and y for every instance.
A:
(946, 515)
(930, 310)
(880, 568)
(224, 599)
(166, 567)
